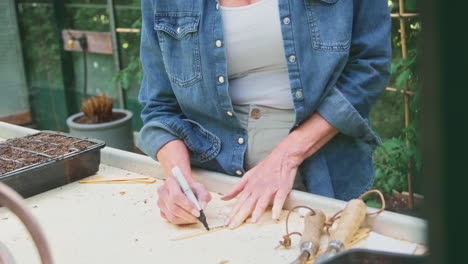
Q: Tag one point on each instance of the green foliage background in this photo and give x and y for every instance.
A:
(391, 159)
(42, 55)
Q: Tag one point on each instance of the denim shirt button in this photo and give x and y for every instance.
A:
(240, 140)
(298, 94)
(217, 6)
(221, 79)
(229, 113)
(286, 20)
(219, 43)
(239, 172)
(292, 58)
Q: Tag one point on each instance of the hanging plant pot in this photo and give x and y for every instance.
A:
(117, 133)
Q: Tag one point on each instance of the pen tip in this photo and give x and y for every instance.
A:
(202, 219)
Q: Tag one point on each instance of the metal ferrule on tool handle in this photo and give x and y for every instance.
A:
(335, 245)
(307, 250)
(308, 247)
(310, 240)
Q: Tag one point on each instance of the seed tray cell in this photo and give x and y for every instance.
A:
(46, 160)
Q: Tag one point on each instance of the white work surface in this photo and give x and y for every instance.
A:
(120, 223)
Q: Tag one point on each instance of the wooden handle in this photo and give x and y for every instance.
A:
(351, 219)
(313, 226)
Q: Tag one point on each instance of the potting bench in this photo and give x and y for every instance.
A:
(120, 223)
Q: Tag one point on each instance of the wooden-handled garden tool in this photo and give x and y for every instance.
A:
(310, 240)
(351, 219)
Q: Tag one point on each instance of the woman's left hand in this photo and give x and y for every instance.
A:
(271, 179)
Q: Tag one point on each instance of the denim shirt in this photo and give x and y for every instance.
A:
(338, 56)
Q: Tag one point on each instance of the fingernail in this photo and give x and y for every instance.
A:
(195, 212)
(254, 219)
(274, 216)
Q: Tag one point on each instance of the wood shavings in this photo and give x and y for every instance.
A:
(121, 193)
(360, 235)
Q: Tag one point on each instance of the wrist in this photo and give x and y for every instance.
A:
(293, 149)
(308, 138)
(175, 153)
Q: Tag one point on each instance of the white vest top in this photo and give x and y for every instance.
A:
(255, 56)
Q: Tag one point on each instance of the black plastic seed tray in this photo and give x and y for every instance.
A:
(37, 163)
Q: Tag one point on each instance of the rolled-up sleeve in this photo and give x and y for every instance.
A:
(156, 95)
(365, 76)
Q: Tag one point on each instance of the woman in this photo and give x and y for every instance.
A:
(270, 90)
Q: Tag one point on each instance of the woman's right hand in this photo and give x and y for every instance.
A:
(172, 202)
(175, 207)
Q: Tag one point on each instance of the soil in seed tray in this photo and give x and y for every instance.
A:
(61, 145)
(6, 166)
(9, 153)
(36, 146)
(22, 152)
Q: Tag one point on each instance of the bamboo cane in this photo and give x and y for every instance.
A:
(404, 50)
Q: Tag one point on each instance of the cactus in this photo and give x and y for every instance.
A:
(98, 108)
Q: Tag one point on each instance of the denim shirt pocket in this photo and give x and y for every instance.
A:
(330, 24)
(179, 41)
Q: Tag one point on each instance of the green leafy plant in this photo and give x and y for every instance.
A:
(132, 73)
(403, 145)
(391, 159)
(391, 168)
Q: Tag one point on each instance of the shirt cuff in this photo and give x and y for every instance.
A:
(151, 139)
(341, 114)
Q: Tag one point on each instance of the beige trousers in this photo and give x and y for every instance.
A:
(266, 127)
